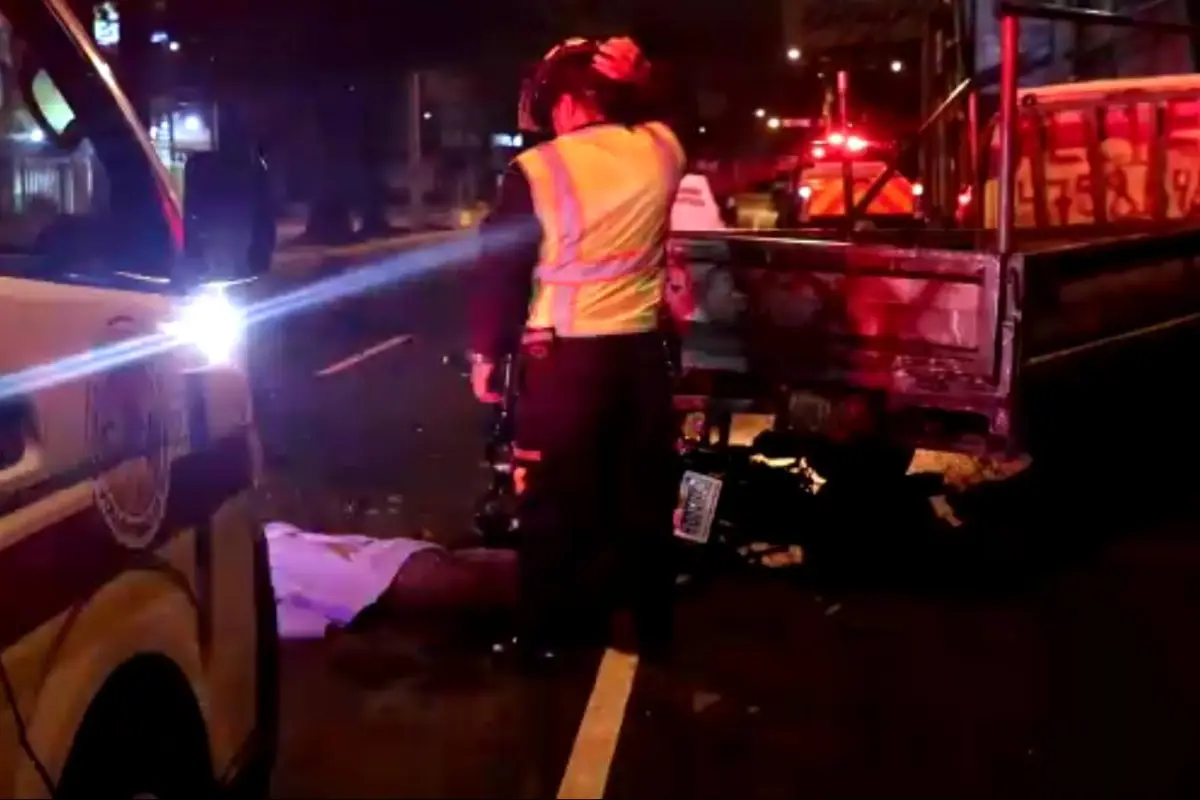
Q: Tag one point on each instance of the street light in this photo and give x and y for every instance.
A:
(793, 54)
(760, 113)
(773, 123)
(173, 47)
(427, 115)
(897, 66)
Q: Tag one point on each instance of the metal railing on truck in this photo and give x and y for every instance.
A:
(1012, 65)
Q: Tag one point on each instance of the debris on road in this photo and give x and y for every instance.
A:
(943, 509)
(786, 503)
(702, 701)
(962, 472)
(777, 557)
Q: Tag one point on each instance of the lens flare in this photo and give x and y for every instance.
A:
(211, 323)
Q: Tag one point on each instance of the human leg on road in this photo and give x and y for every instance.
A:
(453, 581)
(559, 432)
(645, 494)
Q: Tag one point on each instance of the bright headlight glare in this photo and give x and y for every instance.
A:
(211, 323)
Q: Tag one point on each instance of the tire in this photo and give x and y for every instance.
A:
(144, 736)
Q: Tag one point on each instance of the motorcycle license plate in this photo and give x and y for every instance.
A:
(697, 507)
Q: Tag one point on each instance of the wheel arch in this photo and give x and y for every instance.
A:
(80, 672)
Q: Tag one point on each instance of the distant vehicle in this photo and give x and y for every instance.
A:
(137, 649)
(816, 191)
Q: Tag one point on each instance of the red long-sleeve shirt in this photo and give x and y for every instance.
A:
(510, 242)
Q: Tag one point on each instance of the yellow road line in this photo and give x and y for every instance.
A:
(586, 775)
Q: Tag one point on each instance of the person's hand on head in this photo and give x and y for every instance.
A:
(620, 59)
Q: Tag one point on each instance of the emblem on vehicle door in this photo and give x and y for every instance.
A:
(127, 430)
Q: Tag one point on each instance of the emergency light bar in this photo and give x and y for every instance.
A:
(838, 141)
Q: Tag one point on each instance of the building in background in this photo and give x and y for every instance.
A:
(1055, 52)
(38, 180)
(142, 38)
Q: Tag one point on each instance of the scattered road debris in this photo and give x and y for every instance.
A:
(702, 701)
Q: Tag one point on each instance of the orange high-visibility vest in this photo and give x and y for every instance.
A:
(603, 196)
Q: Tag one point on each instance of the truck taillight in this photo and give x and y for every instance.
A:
(818, 152)
(964, 197)
(805, 192)
(837, 139)
(918, 189)
(855, 144)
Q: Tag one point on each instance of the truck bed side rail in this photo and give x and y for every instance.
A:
(915, 328)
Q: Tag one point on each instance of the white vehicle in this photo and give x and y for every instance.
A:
(137, 639)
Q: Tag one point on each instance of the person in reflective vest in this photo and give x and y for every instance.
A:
(571, 279)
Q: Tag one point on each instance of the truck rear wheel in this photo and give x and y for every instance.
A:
(144, 736)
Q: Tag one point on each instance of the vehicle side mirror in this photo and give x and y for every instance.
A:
(229, 224)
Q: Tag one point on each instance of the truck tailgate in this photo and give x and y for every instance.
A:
(917, 328)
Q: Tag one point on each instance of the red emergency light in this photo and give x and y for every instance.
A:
(852, 144)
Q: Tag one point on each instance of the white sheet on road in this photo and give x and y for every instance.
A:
(322, 579)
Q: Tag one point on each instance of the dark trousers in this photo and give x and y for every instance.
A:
(596, 488)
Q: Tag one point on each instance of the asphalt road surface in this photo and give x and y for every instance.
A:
(1049, 651)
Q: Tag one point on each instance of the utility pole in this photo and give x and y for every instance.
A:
(135, 51)
(416, 178)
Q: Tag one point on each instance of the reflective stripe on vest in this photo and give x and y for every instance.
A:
(603, 196)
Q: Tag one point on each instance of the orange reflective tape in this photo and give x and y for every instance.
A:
(896, 198)
(583, 272)
(826, 202)
(542, 187)
(533, 456)
(884, 203)
(567, 205)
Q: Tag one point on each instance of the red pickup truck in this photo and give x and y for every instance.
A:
(1055, 328)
